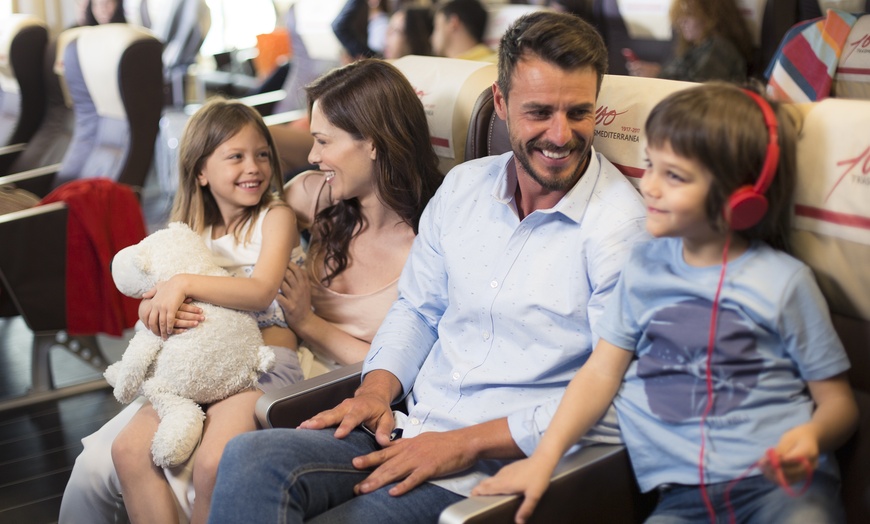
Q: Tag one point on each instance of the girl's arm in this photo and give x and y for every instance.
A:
(247, 294)
(833, 422)
(586, 399)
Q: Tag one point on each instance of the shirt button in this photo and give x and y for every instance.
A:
(415, 421)
(456, 375)
(486, 335)
(493, 284)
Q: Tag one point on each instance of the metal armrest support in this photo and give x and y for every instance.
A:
(12, 148)
(287, 407)
(596, 482)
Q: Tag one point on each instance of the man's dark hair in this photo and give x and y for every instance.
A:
(471, 14)
(564, 40)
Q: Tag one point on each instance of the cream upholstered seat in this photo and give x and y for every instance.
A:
(22, 89)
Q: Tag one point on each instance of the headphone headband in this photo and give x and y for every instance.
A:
(747, 205)
(771, 158)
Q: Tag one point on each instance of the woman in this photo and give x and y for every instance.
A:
(713, 43)
(408, 33)
(362, 209)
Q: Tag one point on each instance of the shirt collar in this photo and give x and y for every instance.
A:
(572, 205)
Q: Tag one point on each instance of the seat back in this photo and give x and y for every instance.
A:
(832, 235)
(22, 93)
(623, 106)
(50, 142)
(500, 17)
(117, 95)
(449, 89)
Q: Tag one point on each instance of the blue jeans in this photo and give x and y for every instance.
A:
(290, 475)
(754, 500)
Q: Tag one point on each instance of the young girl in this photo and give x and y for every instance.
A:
(228, 192)
(776, 370)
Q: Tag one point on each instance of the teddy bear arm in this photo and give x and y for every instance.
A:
(128, 374)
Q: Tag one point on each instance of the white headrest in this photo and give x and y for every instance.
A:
(500, 17)
(624, 104)
(10, 26)
(448, 88)
(833, 162)
(100, 49)
(646, 19)
(63, 40)
(852, 78)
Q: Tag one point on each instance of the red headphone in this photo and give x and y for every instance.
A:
(747, 205)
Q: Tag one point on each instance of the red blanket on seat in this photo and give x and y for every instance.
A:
(104, 217)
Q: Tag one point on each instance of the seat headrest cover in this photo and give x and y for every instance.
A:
(448, 88)
(833, 162)
(63, 40)
(852, 77)
(100, 62)
(646, 19)
(500, 17)
(10, 26)
(623, 106)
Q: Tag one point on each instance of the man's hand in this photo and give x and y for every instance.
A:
(415, 460)
(370, 405)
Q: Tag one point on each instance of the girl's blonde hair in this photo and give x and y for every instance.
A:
(214, 123)
(722, 128)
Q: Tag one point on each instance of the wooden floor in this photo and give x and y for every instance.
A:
(39, 443)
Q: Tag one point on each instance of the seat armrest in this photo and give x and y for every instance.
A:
(596, 480)
(13, 148)
(37, 181)
(285, 118)
(289, 406)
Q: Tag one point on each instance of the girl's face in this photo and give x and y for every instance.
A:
(396, 45)
(238, 172)
(349, 164)
(675, 191)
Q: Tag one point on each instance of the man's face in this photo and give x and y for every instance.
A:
(439, 34)
(551, 120)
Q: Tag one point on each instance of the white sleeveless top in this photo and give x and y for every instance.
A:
(239, 260)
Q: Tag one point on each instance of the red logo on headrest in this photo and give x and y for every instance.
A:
(860, 162)
(605, 116)
(862, 42)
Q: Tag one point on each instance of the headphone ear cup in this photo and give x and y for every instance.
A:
(746, 207)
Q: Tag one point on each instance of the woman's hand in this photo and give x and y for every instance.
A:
(643, 68)
(295, 296)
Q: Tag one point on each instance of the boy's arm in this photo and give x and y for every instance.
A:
(832, 423)
(586, 399)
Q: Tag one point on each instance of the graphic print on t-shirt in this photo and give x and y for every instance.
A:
(673, 369)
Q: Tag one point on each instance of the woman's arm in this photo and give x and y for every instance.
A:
(318, 334)
(586, 399)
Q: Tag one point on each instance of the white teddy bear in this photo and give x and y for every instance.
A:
(221, 356)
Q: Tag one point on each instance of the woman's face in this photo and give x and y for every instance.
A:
(396, 45)
(103, 10)
(691, 28)
(348, 163)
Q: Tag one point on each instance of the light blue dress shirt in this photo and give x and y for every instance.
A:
(493, 316)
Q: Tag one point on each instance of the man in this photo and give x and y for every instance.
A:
(514, 259)
(458, 30)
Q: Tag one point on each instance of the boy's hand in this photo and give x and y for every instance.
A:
(798, 455)
(527, 477)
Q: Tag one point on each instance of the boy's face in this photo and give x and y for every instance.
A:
(675, 190)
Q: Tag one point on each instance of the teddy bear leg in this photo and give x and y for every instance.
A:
(127, 374)
(180, 427)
